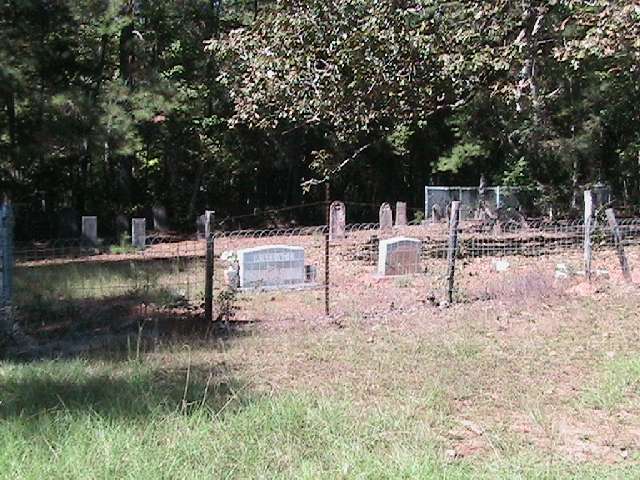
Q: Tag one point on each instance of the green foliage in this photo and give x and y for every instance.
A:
(113, 106)
(461, 155)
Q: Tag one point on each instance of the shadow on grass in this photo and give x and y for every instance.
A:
(130, 390)
(110, 308)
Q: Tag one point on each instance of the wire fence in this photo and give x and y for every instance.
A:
(69, 284)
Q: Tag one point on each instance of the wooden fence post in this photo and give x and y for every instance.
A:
(209, 217)
(617, 238)
(452, 249)
(588, 218)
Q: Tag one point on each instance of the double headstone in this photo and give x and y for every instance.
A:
(401, 214)
(275, 266)
(399, 256)
(90, 229)
(138, 232)
(386, 218)
(337, 221)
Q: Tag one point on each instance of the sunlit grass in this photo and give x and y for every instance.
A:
(617, 386)
(82, 419)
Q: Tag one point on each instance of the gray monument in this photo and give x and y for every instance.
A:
(337, 221)
(138, 232)
(386, 218)
(401, 214)
(399, 256)
(90, 229)
(273, 266)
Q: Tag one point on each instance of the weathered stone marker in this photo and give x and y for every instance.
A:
(399, 256)
(401, 214)
(160, 218)
(90, 229)
(274, 266)
(386, 218)
(337, 221)
(138, 232)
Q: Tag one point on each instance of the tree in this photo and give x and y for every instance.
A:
(348, 69)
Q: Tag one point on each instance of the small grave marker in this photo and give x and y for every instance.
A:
(386, 218)
(337, 221)
(138, 232)
(90, 229)
(274, 266)
(399, 256)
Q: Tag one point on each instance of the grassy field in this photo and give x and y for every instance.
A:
(539, 390)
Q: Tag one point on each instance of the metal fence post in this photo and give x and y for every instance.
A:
(588, 218)
(452, 248)
(209, 218)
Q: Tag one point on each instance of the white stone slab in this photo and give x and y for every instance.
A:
(399, 256)
(273, 266)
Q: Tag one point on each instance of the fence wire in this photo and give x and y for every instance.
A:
(69, 282)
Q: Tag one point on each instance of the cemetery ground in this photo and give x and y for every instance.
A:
(534, 380)
(520, 389)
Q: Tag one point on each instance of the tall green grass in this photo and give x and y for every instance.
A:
(104, 420)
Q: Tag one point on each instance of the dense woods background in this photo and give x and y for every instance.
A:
(110, 107)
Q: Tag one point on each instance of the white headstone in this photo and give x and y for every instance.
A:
(273, 266)
(399, 256)
(401, 214)
(337, 221)
(138, 232)
(386, 218)
(90, 229)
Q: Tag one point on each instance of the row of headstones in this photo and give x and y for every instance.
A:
(138, 230)
(338, 217)
(283, 266)
(68, 226)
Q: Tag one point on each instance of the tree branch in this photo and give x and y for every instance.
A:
(338, 169)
